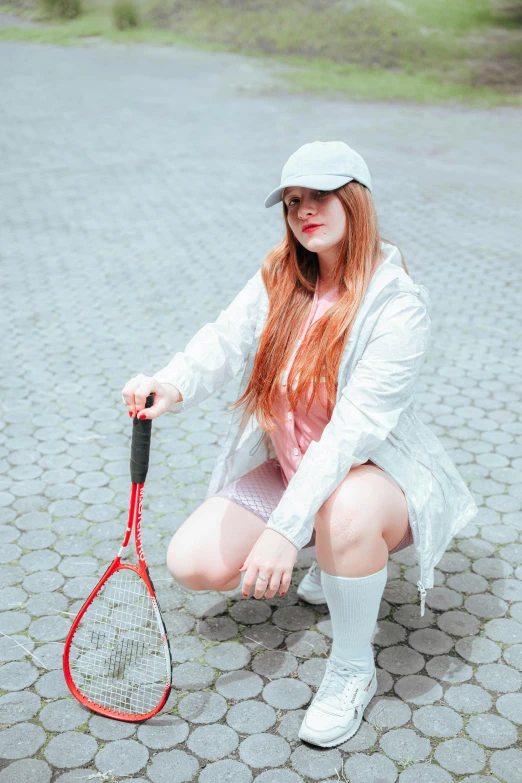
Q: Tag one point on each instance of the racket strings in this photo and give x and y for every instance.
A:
(118, 655)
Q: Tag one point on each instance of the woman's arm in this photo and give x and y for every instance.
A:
(218, 351)
(381, 386)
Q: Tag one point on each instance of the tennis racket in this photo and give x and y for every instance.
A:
(116, 659)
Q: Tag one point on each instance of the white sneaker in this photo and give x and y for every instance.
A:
(310, 588)
(336, 711)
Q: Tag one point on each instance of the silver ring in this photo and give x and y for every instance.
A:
(263, 578)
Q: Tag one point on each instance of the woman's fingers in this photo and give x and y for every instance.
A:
(127, 394)
(273, 585)
(268, 585)
(285, 582)
(248, 581)
(272, 557)
(135, 393)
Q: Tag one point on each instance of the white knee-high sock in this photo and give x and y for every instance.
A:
(354, 607)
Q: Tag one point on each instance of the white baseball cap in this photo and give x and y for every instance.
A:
(324, 165)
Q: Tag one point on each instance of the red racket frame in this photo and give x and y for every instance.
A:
(134, 521)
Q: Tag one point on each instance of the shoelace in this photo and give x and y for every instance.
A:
(333, 689)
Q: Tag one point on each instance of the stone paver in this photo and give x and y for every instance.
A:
(213, 742)
(21, 771)
(317, 763)
(264, 750)
(492, 731)
(202, 707)
(460, 756)
(118, 245)
(359, 768)
(251, 717)
(227, 769)
(70, 749)
(510, 706)
(64, 715)
(21, 741)
(174, 766)
(122, 757)
(164, 731)
(437, 721)
(18, 706)
(506, 764)
(401, 744)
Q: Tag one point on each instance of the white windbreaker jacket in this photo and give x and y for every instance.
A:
(374, 416)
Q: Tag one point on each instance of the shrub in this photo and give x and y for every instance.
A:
(125, 14)
(65, 9)
(511, 10)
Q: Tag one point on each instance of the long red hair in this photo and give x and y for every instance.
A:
(289, 273)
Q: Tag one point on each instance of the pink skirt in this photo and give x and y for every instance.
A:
(260, 491)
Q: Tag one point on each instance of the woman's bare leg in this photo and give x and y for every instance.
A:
(212, 544)
(365, 517)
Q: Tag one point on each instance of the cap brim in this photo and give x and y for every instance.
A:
(318, 181)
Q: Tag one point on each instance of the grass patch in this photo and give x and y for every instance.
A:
(426, 51)
(125, 14)
(385, 33)
(63, 9)
(95, 22)
(336, 81)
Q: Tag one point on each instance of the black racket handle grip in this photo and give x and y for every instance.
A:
(140, 448)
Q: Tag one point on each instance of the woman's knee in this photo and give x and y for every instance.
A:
(196, 555)
(191, 568)
(209, 547)
(343, 529)
(183, 565)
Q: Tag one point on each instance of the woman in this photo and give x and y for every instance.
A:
(330, 336)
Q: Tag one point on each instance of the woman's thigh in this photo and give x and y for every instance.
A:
(212, 544)
(367, 503)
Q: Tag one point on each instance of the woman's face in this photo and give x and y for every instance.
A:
(321, 208)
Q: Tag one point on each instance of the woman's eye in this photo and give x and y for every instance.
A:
(318, 193)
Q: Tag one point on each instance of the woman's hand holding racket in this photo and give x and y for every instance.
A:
(269, 565)
(136, 391)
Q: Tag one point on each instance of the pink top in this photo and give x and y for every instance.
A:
(292, 437)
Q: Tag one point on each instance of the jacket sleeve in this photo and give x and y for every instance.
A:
(381, 386)
(218, 351)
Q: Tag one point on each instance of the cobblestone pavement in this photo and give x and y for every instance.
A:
(133, 182)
